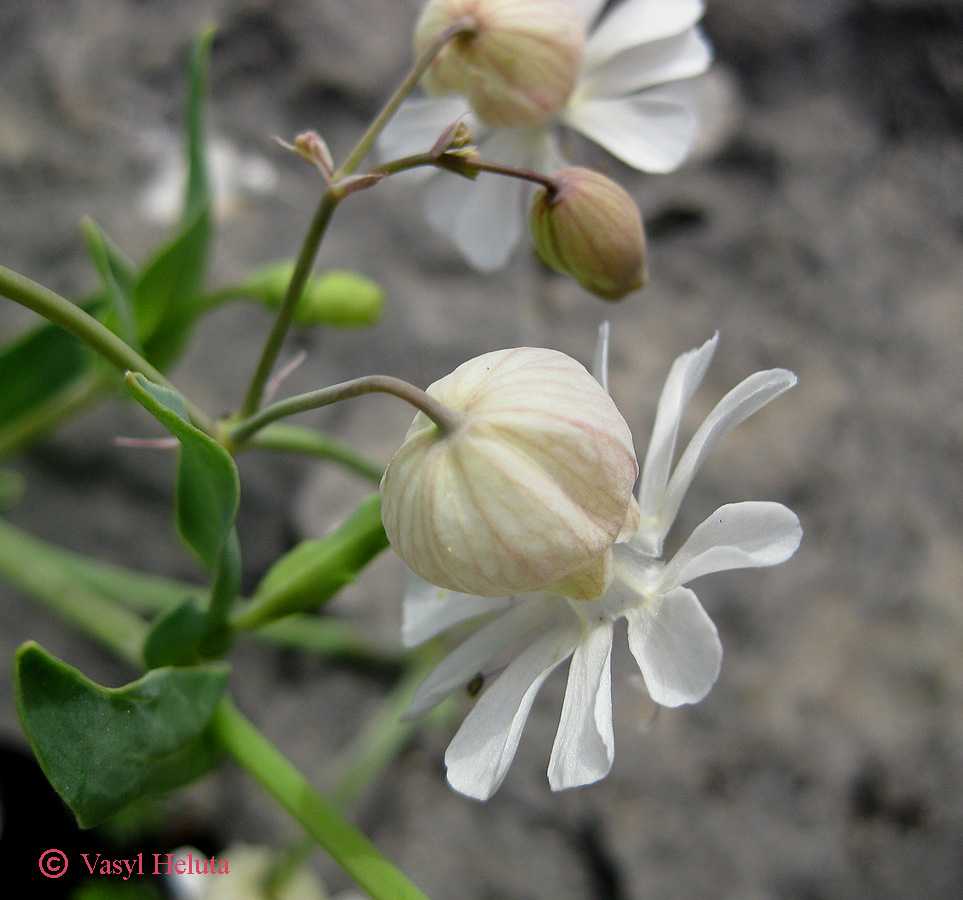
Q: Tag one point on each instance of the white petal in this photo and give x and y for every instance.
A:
(736, 536)
(589, 9)
(680, 56)
(476, 654)
(429, 610)
(417, 124)
(484, 216)
(584, 744)
(544, 154)
(676, 646)
(481, 752)
(651, 132)
(684, 378)
(600, 362)
(742, 401)
(635, 22)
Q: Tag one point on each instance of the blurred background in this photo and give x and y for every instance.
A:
(819, 229)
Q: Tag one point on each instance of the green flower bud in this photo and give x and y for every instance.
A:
(531, 490)
(338, 297)
(517, 67)
(591, 229)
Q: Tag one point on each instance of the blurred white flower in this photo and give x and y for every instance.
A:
(235, 176)
(634, 97)
(244, 873)
(670, 635)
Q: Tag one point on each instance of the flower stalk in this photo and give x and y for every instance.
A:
(445, 418)
(464, 25)
(89, 331)
(333, 195)
(320, 817)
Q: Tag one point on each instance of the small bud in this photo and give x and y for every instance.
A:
(532, 488)
(591, 229)
(310, 146)
(518, 65)
(456, 136)
(338, 297)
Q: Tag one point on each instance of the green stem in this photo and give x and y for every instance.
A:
(462, 26)
(116, 628)
(322, 216)
(445, 418)
(467, 165)
(452, 162)
(88, 330)
(282, 322)
(320, 818)
(150, 594)
(311, 442)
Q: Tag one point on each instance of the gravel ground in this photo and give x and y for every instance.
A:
(823, 233)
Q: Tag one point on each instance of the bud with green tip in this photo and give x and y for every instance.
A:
(517, 66)
(530, 490)
(591, 229)
(338, 297)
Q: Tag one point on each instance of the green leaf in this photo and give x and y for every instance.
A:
(167, 293)
(316, 570)
(175, 638)
(198, 196)
(35, 368)
(227, 584)
(208, 489)
(118, 277)
(103, 748)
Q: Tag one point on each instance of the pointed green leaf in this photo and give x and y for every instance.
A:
(166, 296)
(315, 570)
(118, 277)
(103, 748)
(36, 367)
(198, 195)
(208, 489)
(166, 293)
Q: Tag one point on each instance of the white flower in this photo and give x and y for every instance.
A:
(531, 489)
(633, 97)
(670, 635)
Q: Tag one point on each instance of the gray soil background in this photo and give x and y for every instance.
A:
(823, 233)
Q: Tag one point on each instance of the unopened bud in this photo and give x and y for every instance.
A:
(311, 147)
(338, 297)
(456, 136)
(530, 490)
(591, 229)
(517, 66)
